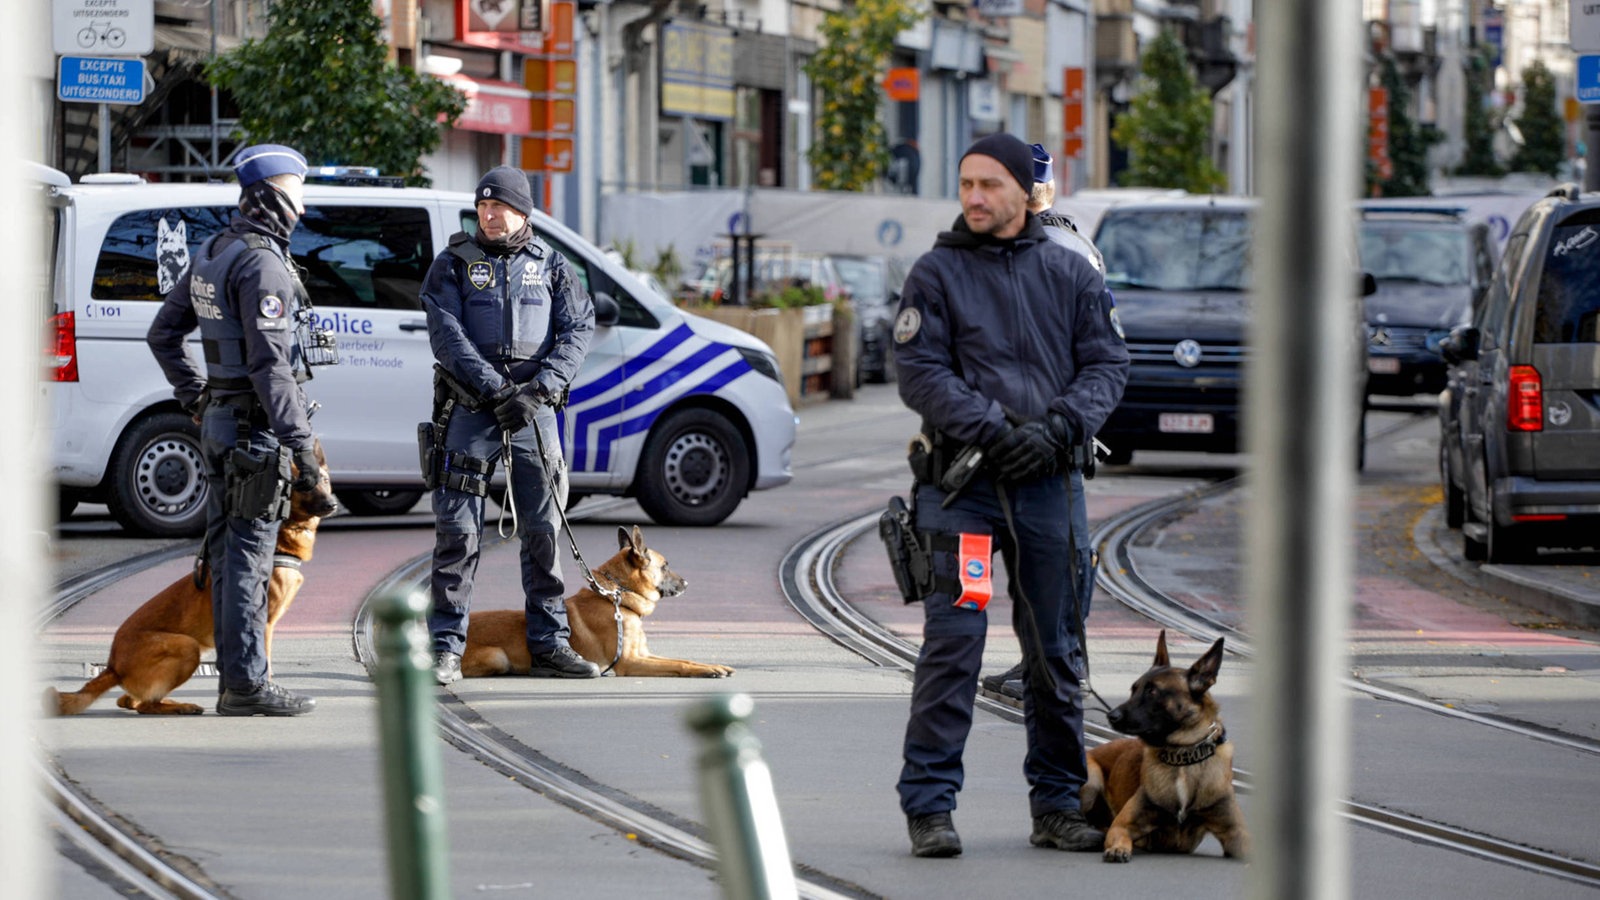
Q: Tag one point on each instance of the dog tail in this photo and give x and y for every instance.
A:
(59, 704)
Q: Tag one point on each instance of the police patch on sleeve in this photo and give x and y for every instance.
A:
(907, 325)
(480, 274)
(271, 307)
(1116, 323)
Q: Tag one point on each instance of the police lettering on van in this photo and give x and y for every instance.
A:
(685, 414)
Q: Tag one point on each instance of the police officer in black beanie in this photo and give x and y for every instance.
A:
(1005, 346)
(510, 323)
(244, 292)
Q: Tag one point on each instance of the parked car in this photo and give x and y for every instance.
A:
(685, 414)
(1519, 447)
(774, 271)
(1180, 269)
(1431, 265)
(874, 283)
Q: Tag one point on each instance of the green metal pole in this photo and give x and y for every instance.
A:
(413, 786)
(739, 804)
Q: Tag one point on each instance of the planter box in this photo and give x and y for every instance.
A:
(815, 365)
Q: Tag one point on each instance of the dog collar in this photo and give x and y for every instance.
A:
(1195, 753)
(285, 561)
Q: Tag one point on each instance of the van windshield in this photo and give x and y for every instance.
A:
(1427, 255)
(1176, 249)
(1569, 287)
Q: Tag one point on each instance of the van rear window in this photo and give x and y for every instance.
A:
(1568, 309)
(146, 251)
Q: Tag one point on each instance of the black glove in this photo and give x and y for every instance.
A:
(515, 412)
(307, 471)
(1032, 450)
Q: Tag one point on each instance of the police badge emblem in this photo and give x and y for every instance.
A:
(481, 274)
(907, 325)
(271, 307)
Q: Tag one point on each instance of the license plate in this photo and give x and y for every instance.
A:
(1383, 365)
(1185, 423)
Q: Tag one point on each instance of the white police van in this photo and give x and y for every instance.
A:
(685, 414)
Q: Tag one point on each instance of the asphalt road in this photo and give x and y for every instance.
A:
(277, 808)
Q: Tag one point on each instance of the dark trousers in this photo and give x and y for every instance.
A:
(239, 552)
(945, 684)
(459, 528)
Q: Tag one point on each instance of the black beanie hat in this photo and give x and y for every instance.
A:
(509, 186)
(1009, 151)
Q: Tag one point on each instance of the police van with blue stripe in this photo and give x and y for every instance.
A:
(684, 414)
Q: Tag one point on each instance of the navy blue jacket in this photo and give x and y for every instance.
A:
(1024, 325)
(258, 294)
(523, 315)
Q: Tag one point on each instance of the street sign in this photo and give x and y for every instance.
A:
(1584, 26)
(109, 27)
(93, 79)
(1587, 84)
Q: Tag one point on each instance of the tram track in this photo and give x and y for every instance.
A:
(806, 575)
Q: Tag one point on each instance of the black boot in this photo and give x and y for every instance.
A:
(1066, 829)
(933, 835)
(562, 662)
(269, 699)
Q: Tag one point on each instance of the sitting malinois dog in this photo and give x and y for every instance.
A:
(158, 648)
(1164, 788)
(497, 642)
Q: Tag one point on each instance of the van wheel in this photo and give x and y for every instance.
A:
(157, 484)
(66, 502)
(695, 469)
(378, 503)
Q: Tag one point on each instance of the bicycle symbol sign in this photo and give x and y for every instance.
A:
(103, 27)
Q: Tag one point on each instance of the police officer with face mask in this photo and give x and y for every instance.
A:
(244, 293)
(510, 324)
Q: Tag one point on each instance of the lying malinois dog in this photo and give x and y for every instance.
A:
(158, 648)
(1166, 787)
(497, 642)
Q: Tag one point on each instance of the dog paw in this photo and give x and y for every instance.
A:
(1118, 855)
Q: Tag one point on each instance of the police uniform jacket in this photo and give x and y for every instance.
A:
(521, 315)
(1025, 325)
(243, 295)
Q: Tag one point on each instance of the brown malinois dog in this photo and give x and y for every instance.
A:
(497, 642)
(1166, 787)
(158, 648)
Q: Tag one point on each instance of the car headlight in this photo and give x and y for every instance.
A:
(762, 362)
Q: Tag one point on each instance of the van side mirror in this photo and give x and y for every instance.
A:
(1461, 345)
(606, 309)
(1369, 284)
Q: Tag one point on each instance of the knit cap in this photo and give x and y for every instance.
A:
(509, 186)
(1009, 151)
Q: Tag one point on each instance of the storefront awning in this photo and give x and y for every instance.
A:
(496, 107)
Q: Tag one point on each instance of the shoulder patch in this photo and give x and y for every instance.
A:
(907, 325)
(271, 307)
(1116, 322)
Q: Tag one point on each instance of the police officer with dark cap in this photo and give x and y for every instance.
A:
(510, 324)
(244, 293)
(1005, 346)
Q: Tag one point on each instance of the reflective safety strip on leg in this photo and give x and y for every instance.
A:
(973, 560)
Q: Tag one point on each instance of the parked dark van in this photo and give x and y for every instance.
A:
(1519, 453)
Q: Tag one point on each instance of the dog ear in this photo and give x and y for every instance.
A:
(622, 538)
(1161, 652)
(1203, 674)
(638, 542)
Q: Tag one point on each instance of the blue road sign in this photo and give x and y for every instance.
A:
(98, 79)
(1588, 80)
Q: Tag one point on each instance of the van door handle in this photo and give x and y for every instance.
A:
(414, 326)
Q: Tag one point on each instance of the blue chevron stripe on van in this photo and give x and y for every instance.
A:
(649, 356)
(670, 380)
(610, 434)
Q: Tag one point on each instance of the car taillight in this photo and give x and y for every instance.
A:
(61, 354)
(1525, 400)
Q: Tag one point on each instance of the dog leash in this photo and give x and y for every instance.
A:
(613, 593)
